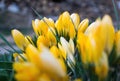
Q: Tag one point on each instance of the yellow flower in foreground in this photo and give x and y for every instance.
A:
(117, 43)
(26, 71)
(19, 39)
(46, 62)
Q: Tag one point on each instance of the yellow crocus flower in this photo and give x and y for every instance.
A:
(49, 22)
(110, 33)
(62, 51)
(75, 19)
(68, 46)
(19, 39)
(40, 26)
(83, 44)
(51, 37)
(83, 25)
(35, 24)
(92, 27)
(65, 26)
(104, 31)
(90, 48)
(69, 50)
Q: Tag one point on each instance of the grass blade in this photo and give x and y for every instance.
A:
(4, 39)
(116, 14)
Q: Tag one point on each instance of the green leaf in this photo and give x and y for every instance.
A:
(6, 65)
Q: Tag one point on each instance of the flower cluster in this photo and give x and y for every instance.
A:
(67, 49)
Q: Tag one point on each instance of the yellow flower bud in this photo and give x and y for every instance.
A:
(110, 33)
(83, 25)
(76, 19)
(65, 26)
(19, 39)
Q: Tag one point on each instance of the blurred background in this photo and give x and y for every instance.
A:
(19, 14)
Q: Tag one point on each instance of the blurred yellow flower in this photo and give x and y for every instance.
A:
(26, 71)
(103, 30)
(110, 33)
(102, 67)
(83, 44)
(44, 60)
